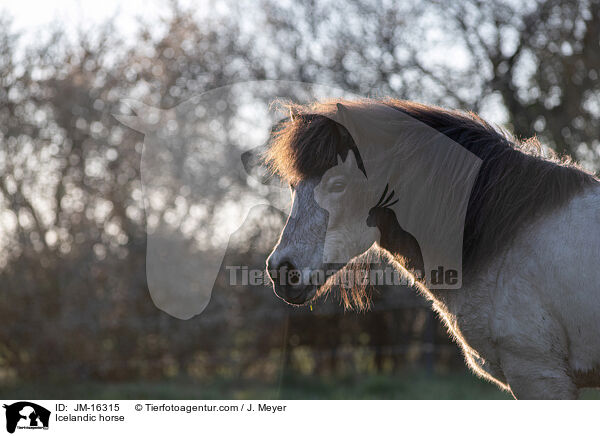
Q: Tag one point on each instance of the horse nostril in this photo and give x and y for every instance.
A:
(286, 265)
(293, 277)
(285, 275)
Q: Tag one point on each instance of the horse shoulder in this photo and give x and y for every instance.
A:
(547, 297)
(541, 296)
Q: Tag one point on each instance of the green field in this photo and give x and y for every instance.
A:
(457, 386)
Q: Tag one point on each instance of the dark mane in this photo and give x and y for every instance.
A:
(308, 143)
(515, 184)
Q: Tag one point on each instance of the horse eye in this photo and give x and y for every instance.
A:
(338, 186)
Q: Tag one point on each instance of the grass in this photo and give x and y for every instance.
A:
(409, 386)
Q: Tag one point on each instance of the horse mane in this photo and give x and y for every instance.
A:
(517, 181)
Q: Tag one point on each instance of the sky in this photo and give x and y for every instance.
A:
(30, 16)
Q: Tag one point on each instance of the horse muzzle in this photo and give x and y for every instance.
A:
(289, 283)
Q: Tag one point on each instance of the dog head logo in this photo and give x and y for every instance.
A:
(26, 415)
(201, 182)
(416, 181)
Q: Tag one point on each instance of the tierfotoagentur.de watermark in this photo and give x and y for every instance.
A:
(240, 275)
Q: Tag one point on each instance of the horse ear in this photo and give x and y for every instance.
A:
(145, 116)
(339, 160)
(340, 108)
(350, 160)
(131, 121)
(254, 166)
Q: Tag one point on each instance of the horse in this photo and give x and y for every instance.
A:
(527, 315)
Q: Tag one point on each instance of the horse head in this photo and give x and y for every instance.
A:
(326, 229)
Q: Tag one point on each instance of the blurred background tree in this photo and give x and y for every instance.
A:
(75, 303)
